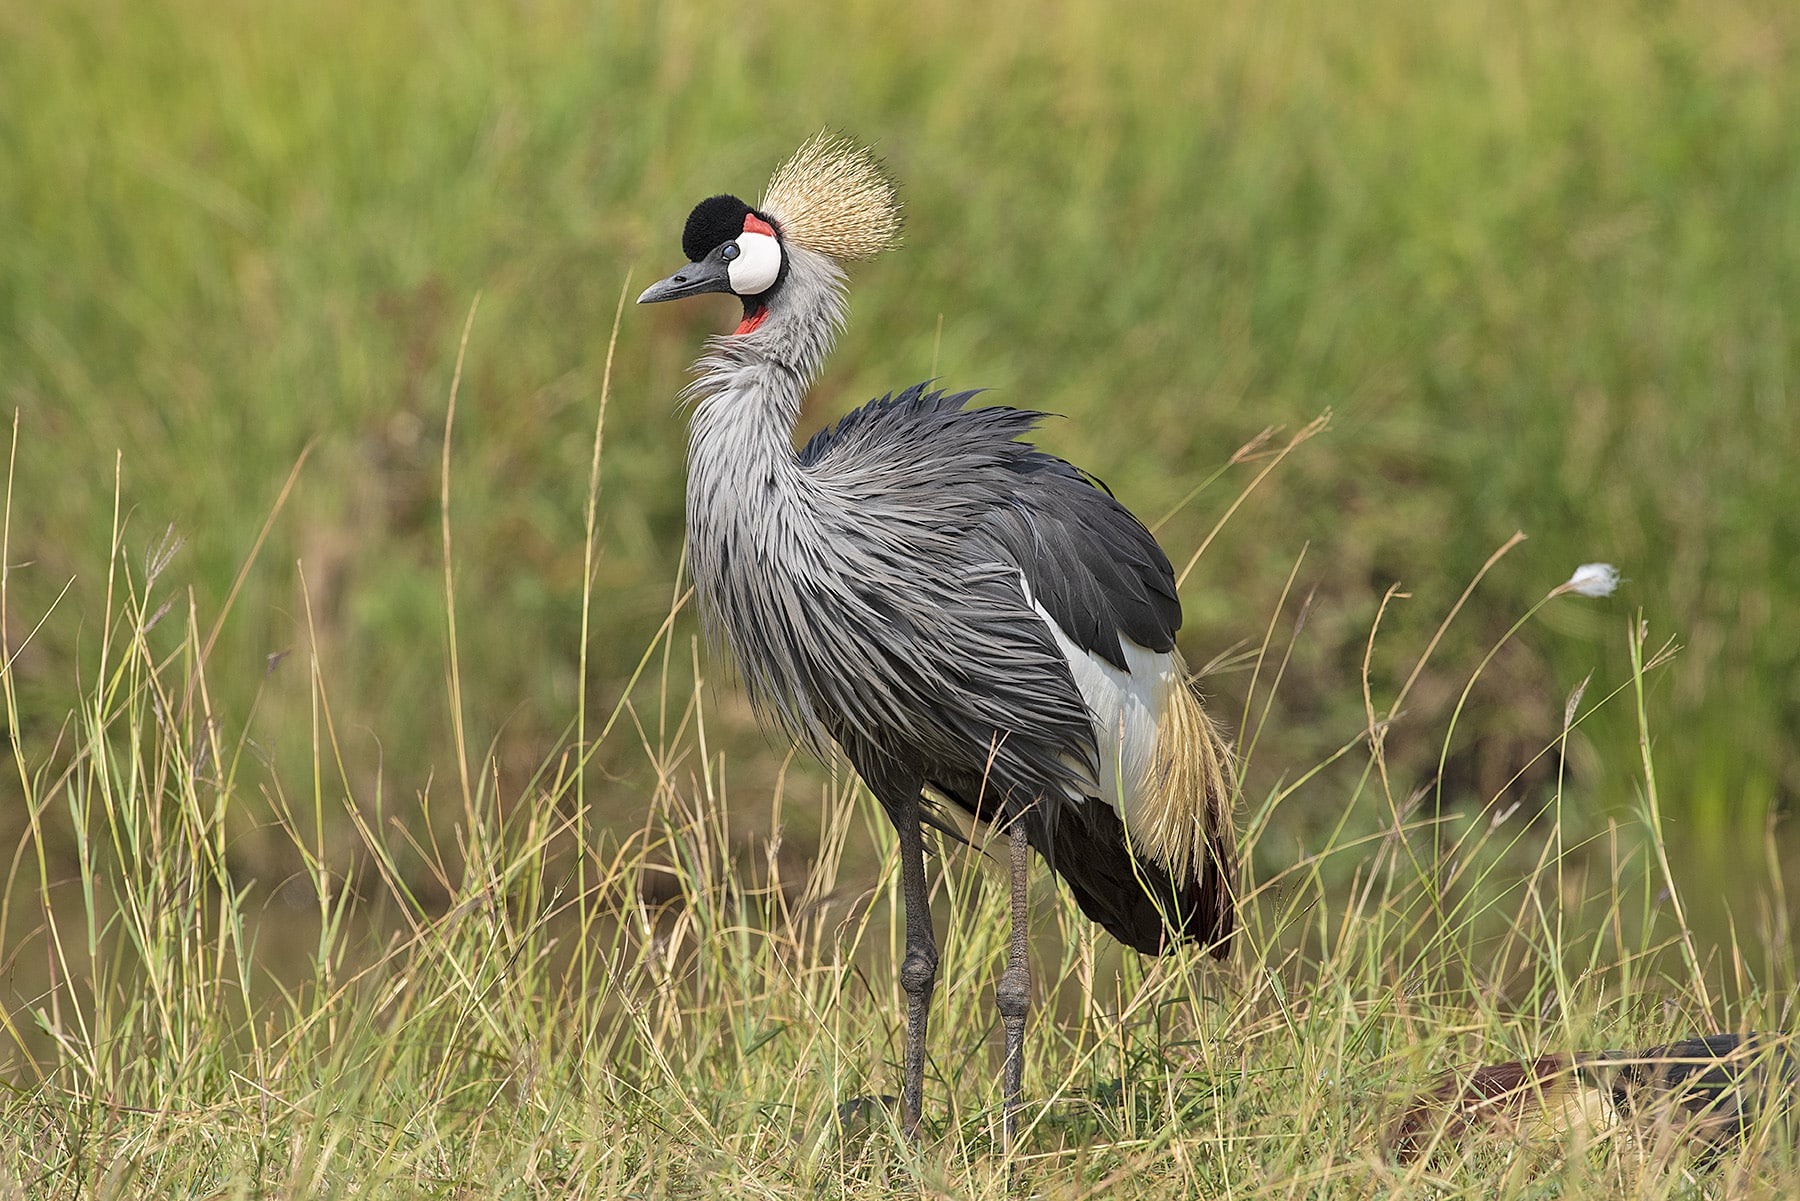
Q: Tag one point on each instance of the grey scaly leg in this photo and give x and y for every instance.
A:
(918, 971)
(1013, 995)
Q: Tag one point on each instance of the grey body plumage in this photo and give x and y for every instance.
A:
(954, 609)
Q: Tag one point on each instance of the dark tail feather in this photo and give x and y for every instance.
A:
(1706, 1091)
(1129, 897)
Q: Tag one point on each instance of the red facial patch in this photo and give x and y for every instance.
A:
(754, 319)
(756, 225)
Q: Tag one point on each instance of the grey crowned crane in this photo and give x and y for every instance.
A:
(972, 621)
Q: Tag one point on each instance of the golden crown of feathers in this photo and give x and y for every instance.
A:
(832, 197)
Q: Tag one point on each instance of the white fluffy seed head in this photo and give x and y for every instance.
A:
(1593, 579)
(757, 265)
(833, 198)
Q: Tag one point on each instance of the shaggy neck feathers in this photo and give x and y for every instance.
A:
(769, 369)
(753, 513)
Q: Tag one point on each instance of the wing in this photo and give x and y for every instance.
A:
(1086, 560)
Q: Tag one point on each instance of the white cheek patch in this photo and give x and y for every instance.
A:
(758, 262)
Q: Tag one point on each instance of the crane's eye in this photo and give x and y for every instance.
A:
(729, 251)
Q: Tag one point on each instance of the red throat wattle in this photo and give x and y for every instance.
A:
(753, 320)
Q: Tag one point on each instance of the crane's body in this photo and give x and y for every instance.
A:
(957, 611)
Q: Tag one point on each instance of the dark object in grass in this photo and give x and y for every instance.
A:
(859, 1112)
(1698, 1096)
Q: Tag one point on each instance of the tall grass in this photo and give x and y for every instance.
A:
(669, 1009)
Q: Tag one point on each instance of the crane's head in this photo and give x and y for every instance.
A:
(830, 198)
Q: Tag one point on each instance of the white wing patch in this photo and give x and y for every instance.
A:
(1165, 768)
(1126, 707)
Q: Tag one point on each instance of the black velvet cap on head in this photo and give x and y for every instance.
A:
(714, 221)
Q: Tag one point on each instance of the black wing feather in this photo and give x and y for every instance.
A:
(1093, 566)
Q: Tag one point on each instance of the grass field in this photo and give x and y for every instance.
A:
(669, 1009)
(301, 903)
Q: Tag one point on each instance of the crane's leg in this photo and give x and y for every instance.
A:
(1013, 995)
(918, 970)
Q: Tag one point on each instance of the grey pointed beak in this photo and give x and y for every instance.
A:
(695, 279)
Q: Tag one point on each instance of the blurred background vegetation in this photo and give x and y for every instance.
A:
(1541, 262)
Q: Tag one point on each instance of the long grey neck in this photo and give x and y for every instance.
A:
(748, 500)
(749, 388)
